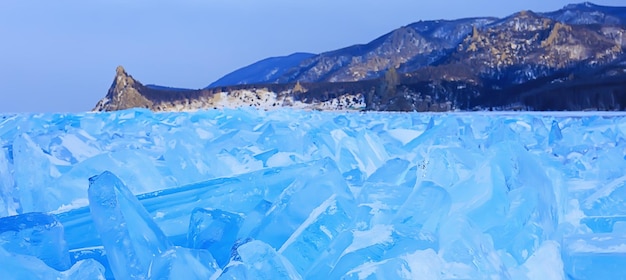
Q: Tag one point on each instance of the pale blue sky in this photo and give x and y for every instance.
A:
(60, 56)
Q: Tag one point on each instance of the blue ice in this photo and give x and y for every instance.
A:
(288, 194)
(214, 230)
(36, 234)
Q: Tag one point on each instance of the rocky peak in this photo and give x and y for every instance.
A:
(528, 45)
(122, 79)
(120, 71)
(507, 41)
(124, 93)
(524, 21)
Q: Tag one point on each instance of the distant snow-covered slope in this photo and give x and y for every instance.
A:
(589, 13)
(266, 70)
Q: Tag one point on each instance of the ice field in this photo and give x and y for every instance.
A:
(288, 194)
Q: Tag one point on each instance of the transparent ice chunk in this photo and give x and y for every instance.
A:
(253, 219)
(500, 131)
(460, 242)
(33, 187)
(395, 268)
(355, 248)
(423, 210)
(184, 263)
(446, 132)
(171, 208)
(392, 172)
(234, 271)
(7, 185)
(93, 254)
(594, 256)
(524, 209)
(426, 264)
(363, 150)
(555, 133)
(539, 130)
(265, 156)
(380, 198)
(18, 267)
(129, 235)
(261, 261)
(354, 177)
(134, 167)
(545, 263)
(280, 134)
(296, 203)
(182, 161)
(36, 234)
(214, 230)
(309, 241)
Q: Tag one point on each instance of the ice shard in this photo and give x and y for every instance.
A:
(36, 234)
(298, 200)
(171, 208)
(530, 197)
(314, 236)
(391, 172)
(446, 131)
(18, 267)
(32, 186)
(135, 168)
(130, 237)
(545, 263)
(461, 242)
(595, 256)
(555, 133)
(96, 254)
(424, 210)
(261, 261)
(184, 263)
(214, 230)
(395, 268)
(362, 246)
(234, 271)
(384, 191)
(253, 219)
(500, 131)
(7, 186)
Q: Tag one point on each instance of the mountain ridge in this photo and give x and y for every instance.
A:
(261, 71)
(582, 13)
(463, 64)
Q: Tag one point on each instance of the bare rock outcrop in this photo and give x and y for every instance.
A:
(124, 93)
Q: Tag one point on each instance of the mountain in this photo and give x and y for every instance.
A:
(589, 13)
(518, 62)
(413, 46)
(126, 92)
(526, 45)
(265, 71)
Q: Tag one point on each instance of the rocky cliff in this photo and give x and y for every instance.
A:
(124, 93)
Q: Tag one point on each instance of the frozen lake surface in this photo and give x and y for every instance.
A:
(288, 194)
